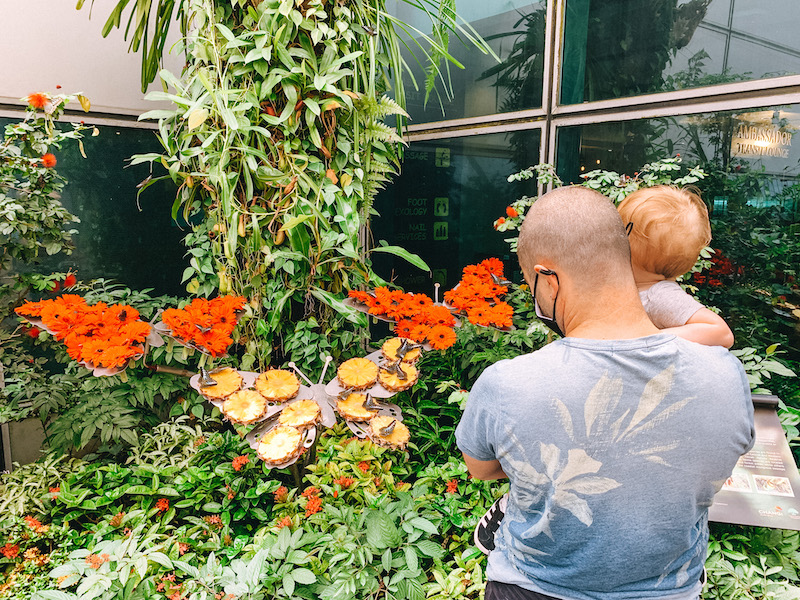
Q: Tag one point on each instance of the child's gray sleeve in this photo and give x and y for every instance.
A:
(668, 305)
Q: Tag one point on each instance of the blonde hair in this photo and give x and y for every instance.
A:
(669, 228)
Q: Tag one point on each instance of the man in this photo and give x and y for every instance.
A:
(615, 438)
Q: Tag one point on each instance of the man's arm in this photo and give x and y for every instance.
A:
(705, 327)
(484, 469)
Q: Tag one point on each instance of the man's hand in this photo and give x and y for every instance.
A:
(484, 469)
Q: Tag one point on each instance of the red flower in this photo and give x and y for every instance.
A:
(54, 491)
(37, 100)
(284, 522)
(10, 550)
(499, 221)
(313, 506)
(344, 482)
(698, 278)
(310, 491)
(55, 286)
(33, 332)
(34, 524)
(49, 160)
(714, 282)
(511, 212)
(239, 462)
(281, 494)
(452, 486)
(162, 505)
(364, 466)
(70, 280)
(182, 548)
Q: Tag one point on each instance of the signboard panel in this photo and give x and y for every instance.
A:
(764, 488)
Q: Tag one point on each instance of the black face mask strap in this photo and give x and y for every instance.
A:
(629, 228)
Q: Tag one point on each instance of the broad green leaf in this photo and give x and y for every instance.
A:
(414, 259)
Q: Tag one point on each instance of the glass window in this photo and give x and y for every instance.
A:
(752, 188)
(628, 47)
(445, 202)
(135, 242)
(514, 30)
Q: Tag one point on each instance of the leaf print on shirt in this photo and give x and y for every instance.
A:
(607, 429)
(564, 480)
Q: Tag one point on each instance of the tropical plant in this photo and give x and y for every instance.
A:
(278, 146)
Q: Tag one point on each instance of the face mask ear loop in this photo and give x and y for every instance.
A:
(629, 228)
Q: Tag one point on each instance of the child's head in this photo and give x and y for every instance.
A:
(669, 228)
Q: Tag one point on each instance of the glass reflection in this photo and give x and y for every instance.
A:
(752, 188)
(628, 47)
(443, 204)
(514, 30)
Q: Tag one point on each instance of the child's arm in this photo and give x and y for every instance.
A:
(705, 327)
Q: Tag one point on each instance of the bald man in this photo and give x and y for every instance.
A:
(614, 439)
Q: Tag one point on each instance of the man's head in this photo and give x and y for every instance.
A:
(577, 233)
(669, 229)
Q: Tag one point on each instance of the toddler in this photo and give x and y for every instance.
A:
(668, 228)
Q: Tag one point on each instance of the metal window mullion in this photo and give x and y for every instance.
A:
(555, 41)
(472, 131)
(651, 112)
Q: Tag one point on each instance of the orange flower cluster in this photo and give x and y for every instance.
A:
(99, 335)
(344, 482)
(205, 324)
(284, 522)
(35, 524)
(452, 487)
(37, 100)
(240, 461)
(417, 317)
(313, 506)
(363, 466)
(97, 560)
(310, 492)
(10, 550)
(281, 494)
(478, 295)
(162, 505)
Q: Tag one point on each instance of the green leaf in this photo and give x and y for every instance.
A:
(293, 222)
(288, 584)
(304, 576)
(423, 524)
(414, 259)
(54, 595)
(429, 548)
(381, 530)
(412, 561)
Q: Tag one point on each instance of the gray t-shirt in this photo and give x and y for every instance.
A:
(668, 305)
(614, 451)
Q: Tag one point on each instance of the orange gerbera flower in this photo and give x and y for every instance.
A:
(500, 314)
(403, 328)
(419, 301)
(438, 315)
(359, 296)
(420, 333)
(493, 265)
(441, 337)
(205, 324)
(480, 314)
(37, 100)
